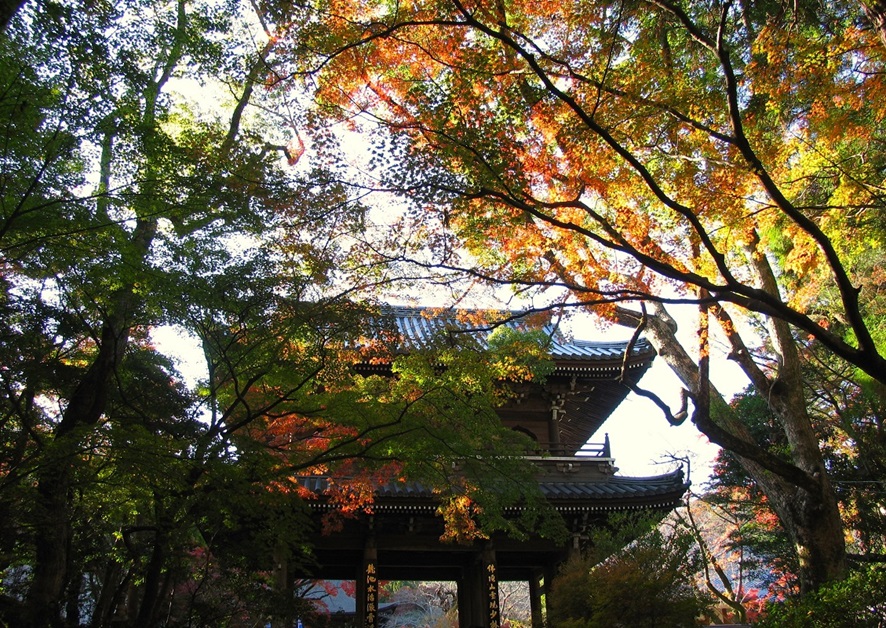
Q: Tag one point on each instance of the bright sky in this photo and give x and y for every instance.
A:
(643, 443)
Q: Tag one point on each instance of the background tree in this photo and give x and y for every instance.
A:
(127, 206)
(654, 153)
(731, 489)
(108, 188)
(734, 570)
(848, 459)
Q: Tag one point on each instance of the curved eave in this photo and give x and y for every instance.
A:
(608, 364)
(614, 493)
(588, 367)
(591, 369)
(417, 329)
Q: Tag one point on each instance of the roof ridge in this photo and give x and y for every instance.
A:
(417, 324)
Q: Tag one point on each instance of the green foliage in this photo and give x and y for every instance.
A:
(847, 418)
(857, 600)
(445, 399)
(123, 208)
(520, 354)
(141, 186)
(633, 574)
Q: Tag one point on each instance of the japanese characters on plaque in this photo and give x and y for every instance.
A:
(371, 595)
(492, 580)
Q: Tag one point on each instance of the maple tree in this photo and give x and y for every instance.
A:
(644, 152)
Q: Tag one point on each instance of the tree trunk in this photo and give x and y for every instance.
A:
(108, 594)
(799, 492)
(876, 12)
(72, 603)
(53, 539)
(153, 580)
(54, 530)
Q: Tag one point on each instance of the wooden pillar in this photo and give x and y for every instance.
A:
(463, 595)
(488, 611)
(367, 588)
(472, 594)
(491, 581)
(281, 584)
(478, 601)
(537, 584)
(550, 572)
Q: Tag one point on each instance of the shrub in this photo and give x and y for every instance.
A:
(859, 601)
(647, 582)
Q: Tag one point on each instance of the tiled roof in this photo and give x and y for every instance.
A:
(422, 328)
(595, 371)
(602, 493)
(615, 487)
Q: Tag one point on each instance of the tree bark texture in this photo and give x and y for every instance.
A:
(798, 490)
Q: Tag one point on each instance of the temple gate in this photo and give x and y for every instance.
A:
(401, 539)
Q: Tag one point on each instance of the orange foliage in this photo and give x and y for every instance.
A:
(460, 525)
(351, 490)
(588, 136)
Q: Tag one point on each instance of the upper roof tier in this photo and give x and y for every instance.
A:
(589, 381)
(421, 328)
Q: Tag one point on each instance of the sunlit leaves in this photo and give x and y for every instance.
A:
(617, 128)
(459, 517)
(612, 152)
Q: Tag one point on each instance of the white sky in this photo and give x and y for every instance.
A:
(642, 441)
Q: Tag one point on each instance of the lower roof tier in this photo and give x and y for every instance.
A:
(598, 492)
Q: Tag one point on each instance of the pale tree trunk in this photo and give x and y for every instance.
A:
(876, 13)
(798, 491)
(819, 539)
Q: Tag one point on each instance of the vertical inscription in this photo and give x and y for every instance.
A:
(371, 584)
(492, 581)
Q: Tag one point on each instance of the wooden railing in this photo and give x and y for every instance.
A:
(599, 450)
(585, 450)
